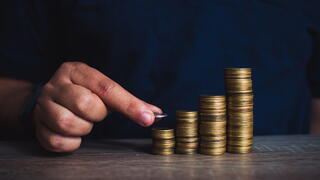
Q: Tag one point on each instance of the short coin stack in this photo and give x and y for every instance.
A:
(163, 142)
(212, 127)
(186, 132)
(238, 85)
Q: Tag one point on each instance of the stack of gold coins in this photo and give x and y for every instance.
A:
(212, 127)
(163, 142)
(238, 85)
(186, 132)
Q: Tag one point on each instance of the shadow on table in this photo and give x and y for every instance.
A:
(32, 148)
(126, 145)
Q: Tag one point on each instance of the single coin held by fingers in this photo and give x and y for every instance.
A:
(160, 116)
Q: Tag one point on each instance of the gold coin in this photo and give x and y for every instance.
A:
(240, 131)
(186, 131)
(213, 138)
(237, 87)
(212, 114)
(182, 113)
(212, 128)
(213, 105)
(241, 97)
(239, 81)
(238, 149)
(163, 151)
(235, 121)
(183, 145)
(240, 143)
(237, 71)
(240, 123)
(212, 152)
(213, 123)
(162, 133)
(213, 118)
(207, 131)
(186, 134)
(186, 151)
(186, 120)
(187, 125)
(187, 139)
(240, 114)
(212, 111)
(239, 139)
(209, 98)
(239, 104)
(239, 128)
(163, 143)
(240, 91)
(242, 135)
(212, 144)
(219, 104)
(237, 76)
(212, 133)
(215, 130)
(240, 109)
(207, 109)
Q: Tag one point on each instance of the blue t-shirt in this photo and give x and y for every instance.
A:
(168, 52)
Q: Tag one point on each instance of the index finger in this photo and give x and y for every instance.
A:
(112, 94)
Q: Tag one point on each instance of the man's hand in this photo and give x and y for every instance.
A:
(76, 97)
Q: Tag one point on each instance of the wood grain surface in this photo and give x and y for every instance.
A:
(274, 157)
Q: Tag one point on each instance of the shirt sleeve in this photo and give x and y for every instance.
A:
(311, 10)
(27, 39)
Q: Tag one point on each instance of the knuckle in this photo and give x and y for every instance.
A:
(65, 122)
(56, 143)
(79, 65)
(66, 65)
(72, 65)
(106, 87)
(47, 88)
(86, 130)
(133, 108)
(83, 103)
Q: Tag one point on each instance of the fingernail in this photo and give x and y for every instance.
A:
(147, 118)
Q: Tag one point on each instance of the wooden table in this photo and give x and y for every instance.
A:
(274, 157)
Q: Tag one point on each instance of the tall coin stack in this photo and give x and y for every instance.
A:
(238, 85)
(163, 142)
(212, 127)
(186, 132)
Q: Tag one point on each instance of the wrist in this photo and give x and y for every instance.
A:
(26, 117)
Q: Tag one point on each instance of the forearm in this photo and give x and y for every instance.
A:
(315, 117)
(13, 94)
